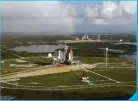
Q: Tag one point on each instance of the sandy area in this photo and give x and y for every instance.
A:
(40, 71)
(45, 70)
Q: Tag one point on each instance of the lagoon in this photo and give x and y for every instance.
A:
(129, 57)
(7, 98)
(38, 48)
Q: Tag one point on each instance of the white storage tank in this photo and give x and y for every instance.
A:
(49, 55)
(121, 40)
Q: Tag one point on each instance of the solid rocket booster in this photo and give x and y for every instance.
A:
(70, 55)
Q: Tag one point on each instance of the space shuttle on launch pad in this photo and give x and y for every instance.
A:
(65, 57)
(68, 57)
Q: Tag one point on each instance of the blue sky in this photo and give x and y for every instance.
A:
(68, 17)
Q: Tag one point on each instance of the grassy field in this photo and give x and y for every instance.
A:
(74, 77)
(81, 49)
(122, 75)
(6, 69)
(34, 60)
(40, 60)
(71, 78)
(7, 64)
(5, 55)
(4, 72)
(102, 91)
(90, 60)
(106, 93)
(93, 49)
(65, 79)
(8, 54)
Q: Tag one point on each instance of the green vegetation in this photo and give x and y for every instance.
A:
(81, 49)
(40, 60)
(65, 79)
(93, 49)
(87, 53)
(13, 40)
(6, 69)
(90, 60)
(104, 93)
(28, 54)
(5, 55)
(74, 77)
(6, 64)
(10, 70)
(122, 75)
(9, 54)
(117, 65)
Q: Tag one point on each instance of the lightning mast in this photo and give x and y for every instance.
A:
(106, 49)
(65, 49)
(99, 38)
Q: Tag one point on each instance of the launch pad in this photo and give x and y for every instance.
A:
(65, 56)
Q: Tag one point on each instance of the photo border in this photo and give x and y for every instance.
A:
(135, 96)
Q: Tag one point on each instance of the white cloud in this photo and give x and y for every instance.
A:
(91, 12)
(37, 9)
(109, 12)
(100, 22)
(64, 17)
(129, 6)
(52, 12)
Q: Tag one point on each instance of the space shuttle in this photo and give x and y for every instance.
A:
(65, 57)
(69, 56)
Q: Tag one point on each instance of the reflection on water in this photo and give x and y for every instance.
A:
(129, 57)
(113, 50)
(39, 48)
(6, 98)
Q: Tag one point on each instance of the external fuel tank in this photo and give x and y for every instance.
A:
(69, 56)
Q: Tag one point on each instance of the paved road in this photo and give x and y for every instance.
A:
(121, 84)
